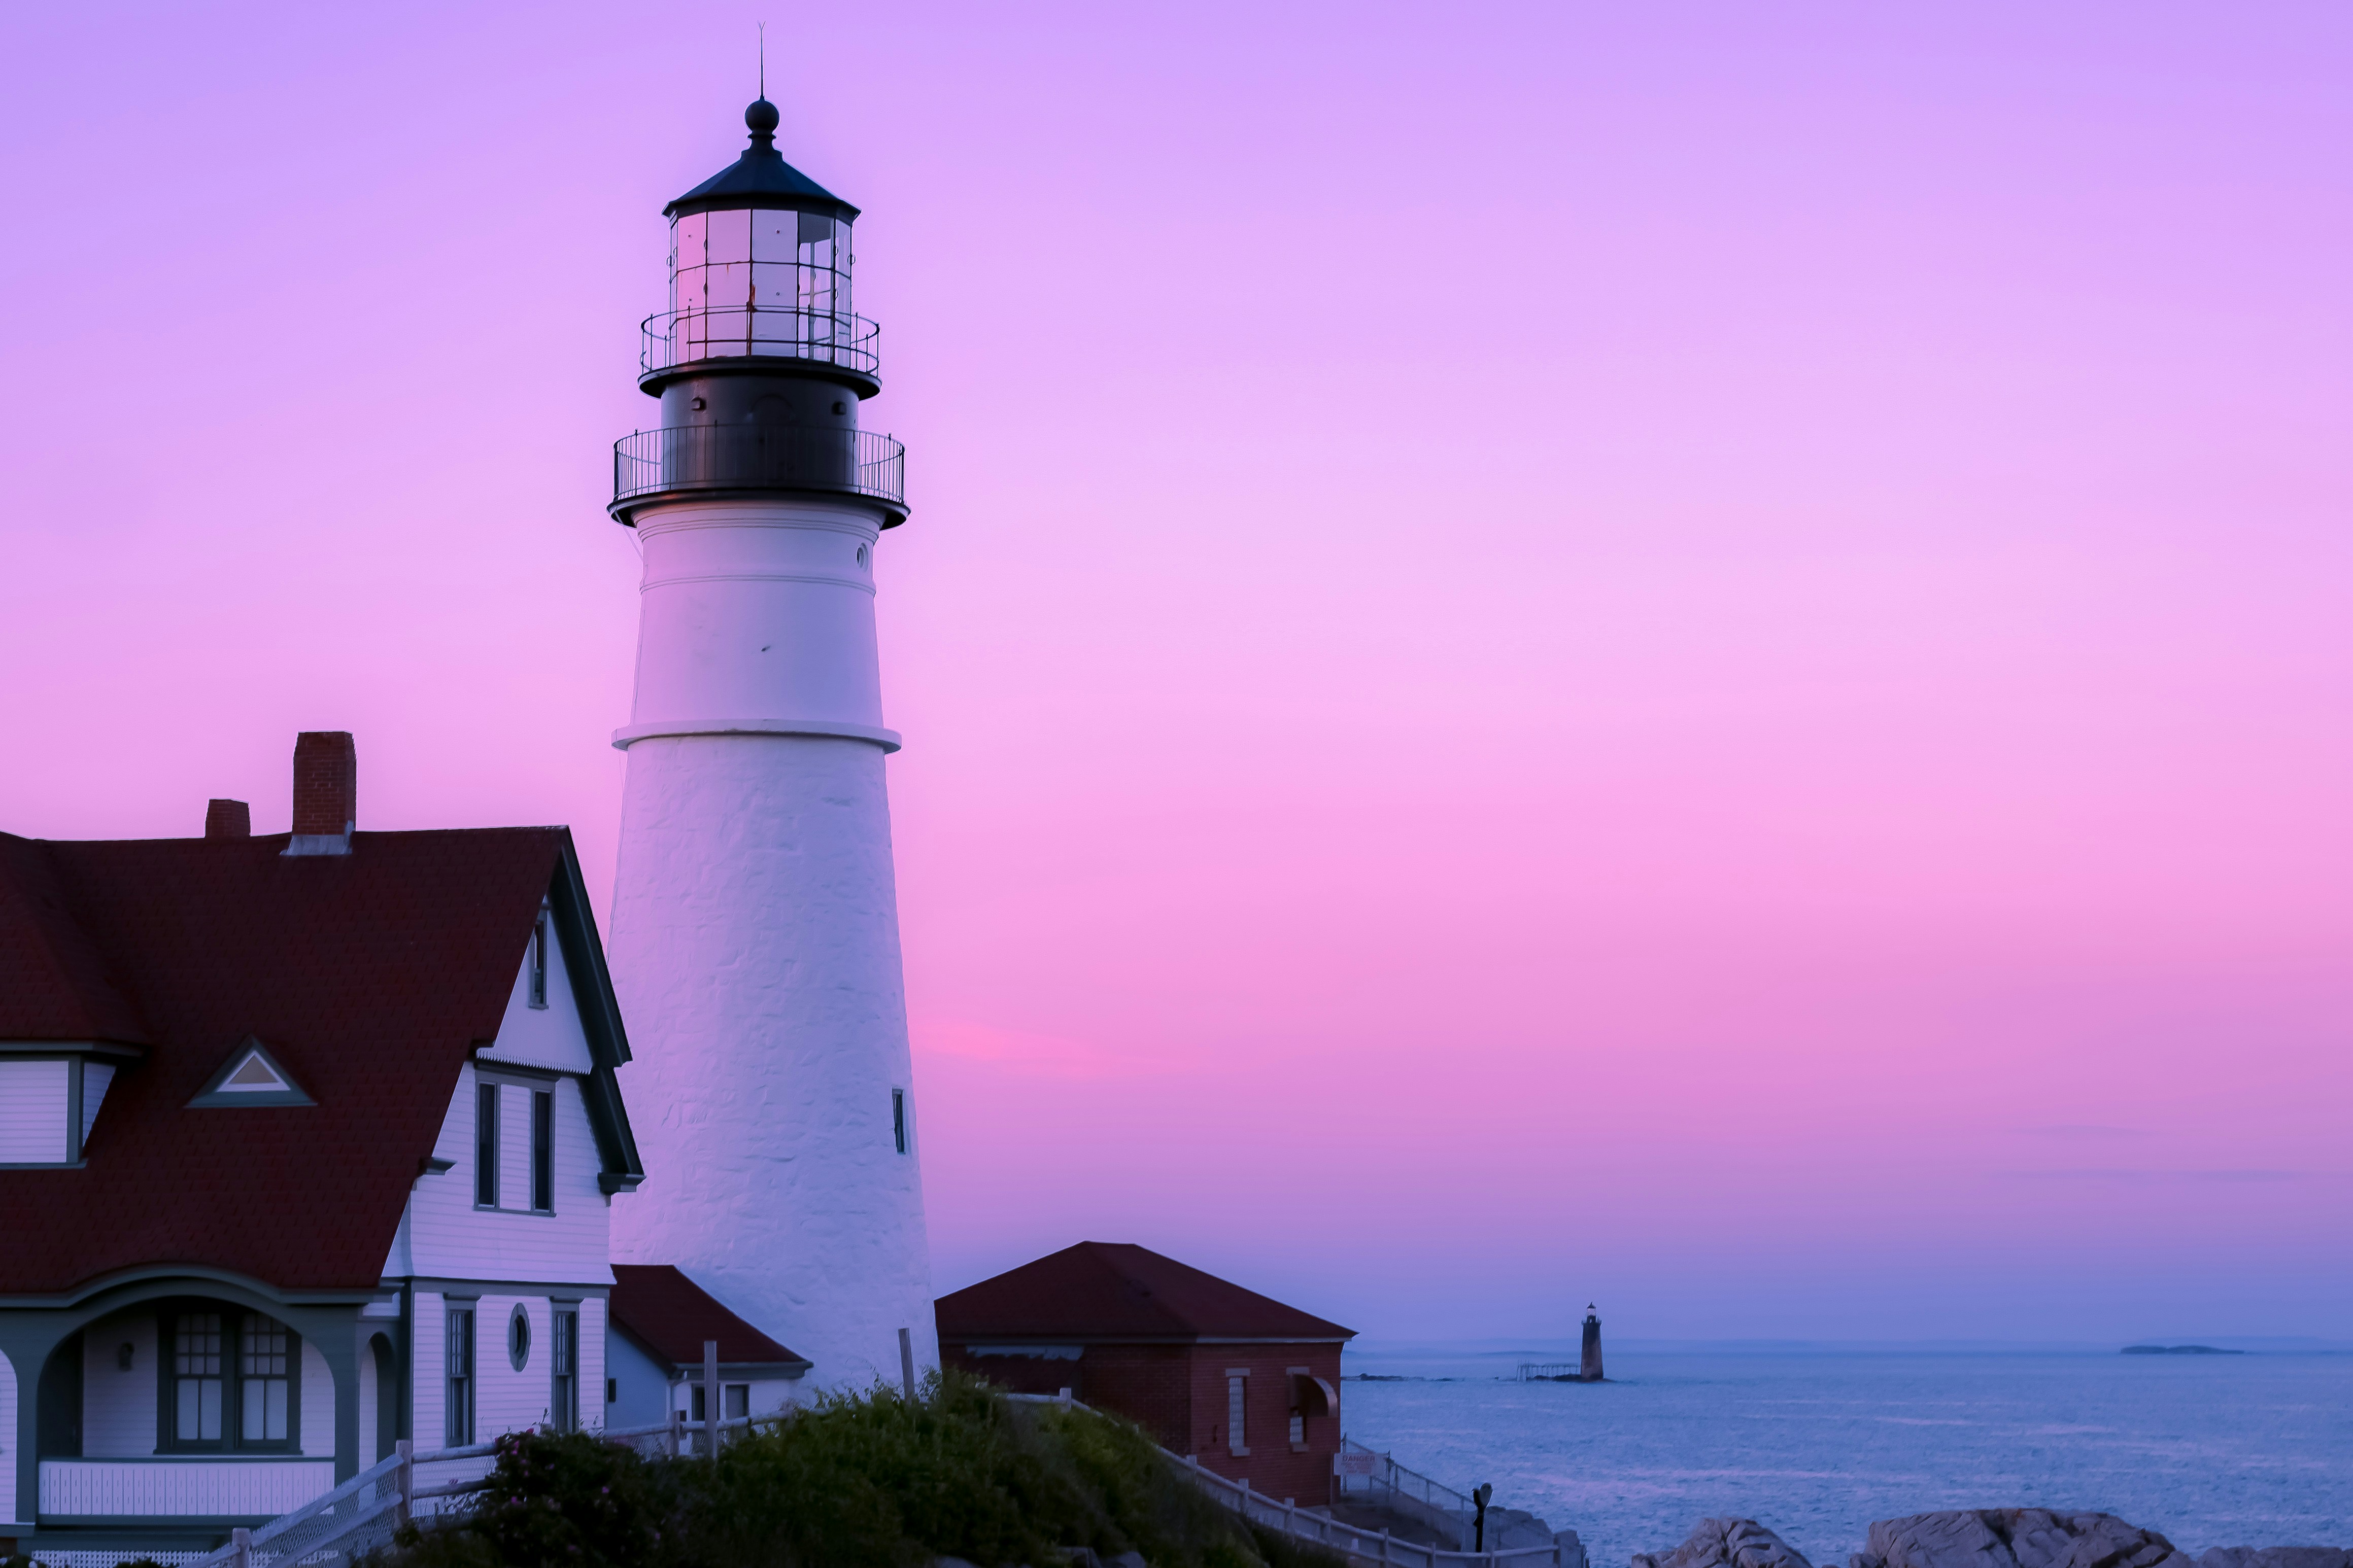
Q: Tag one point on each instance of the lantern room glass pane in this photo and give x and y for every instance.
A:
(729, 237)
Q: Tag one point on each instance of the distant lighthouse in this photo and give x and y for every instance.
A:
(755, 927)
(1588, 1366)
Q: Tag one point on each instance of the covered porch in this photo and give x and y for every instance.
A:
(163, 1413)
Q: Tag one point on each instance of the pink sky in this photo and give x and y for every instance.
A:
(1693, 655)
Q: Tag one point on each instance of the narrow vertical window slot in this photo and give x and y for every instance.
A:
(486, 1146)
(459, 1425)
(543, 1151)
(539, 958)
(899, 1119)
(564, 1401)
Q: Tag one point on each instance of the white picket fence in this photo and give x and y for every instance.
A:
(362, 1514)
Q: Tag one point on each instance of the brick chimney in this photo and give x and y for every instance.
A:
(228, 819)
(326, 792)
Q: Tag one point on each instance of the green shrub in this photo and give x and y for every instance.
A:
(853, 1482)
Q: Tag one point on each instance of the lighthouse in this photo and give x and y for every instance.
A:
(756, 932)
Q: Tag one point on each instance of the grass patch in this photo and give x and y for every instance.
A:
(854, 1481)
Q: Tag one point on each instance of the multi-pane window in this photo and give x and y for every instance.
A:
(231, 1380)
(197, 1384)
(458, 1351)
(564, 1404)
(543, 1151)
(738, 1402)
(265, 1381)
(1237, 1385)
(486, 1146)
(533, 1120)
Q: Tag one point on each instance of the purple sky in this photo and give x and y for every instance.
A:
(1693, 655)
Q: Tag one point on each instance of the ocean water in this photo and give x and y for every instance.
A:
(2252, 1450)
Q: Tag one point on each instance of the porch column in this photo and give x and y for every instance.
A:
(334, 1330)
(26, 1339)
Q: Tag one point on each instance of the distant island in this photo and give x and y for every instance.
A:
(2178, 1350)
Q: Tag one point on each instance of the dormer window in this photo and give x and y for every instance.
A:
(539, 958)
(48, 1107)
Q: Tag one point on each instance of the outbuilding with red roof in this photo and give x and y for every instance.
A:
(1241, 1382)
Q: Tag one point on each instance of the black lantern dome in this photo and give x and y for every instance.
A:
(761, 178)
(760, 363)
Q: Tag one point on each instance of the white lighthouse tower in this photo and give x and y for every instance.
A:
(755, 925)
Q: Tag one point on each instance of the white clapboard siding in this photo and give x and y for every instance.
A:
(548, 1036)
(591, 1362)
(117, 1407)
(514, 1145)
(33, 1112)
(511, 1399)
(180, 1487)
(427, 1370)
(447, 1238)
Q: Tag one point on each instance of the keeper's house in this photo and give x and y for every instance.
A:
(306, 1145)
(1244, 1383)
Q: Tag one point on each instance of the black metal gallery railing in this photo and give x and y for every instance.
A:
(761, 457)
(838, 337)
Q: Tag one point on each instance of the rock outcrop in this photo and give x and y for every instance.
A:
(1727, 1544)
(1985, 1538)
(2015, 1538)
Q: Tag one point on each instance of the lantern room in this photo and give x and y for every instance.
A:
(759, 271)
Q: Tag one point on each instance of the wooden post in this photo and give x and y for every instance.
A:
(405, 1480)
(711, 1400)
(241, 1547)
(677, 1428)
(1385, 1543)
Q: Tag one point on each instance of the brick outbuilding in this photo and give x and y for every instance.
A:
(1247, 1385)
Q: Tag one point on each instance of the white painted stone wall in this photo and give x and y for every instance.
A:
(755, 938)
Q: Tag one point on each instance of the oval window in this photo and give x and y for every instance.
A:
(519, 1337)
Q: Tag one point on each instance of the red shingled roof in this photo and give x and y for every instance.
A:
(671, 1316)
(1116, 1291)
(369, 976)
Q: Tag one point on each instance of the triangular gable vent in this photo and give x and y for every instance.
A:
(255, 1074)
(251, 1076)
